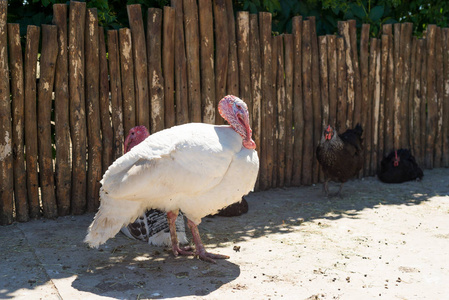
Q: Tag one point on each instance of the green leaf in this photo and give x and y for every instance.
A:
(376, 13)
(358, 11)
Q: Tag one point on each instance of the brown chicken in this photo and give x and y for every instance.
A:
(340, 155)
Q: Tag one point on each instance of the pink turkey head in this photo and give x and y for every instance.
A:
(235, 111)
(135, 136)
(328, 133)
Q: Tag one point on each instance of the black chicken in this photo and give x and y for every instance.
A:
(340, 155)
(399, 166)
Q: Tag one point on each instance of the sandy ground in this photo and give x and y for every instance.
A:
(380, 241)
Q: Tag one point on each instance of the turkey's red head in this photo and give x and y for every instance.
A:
(235, 111)
(328, 133)
(135, 136)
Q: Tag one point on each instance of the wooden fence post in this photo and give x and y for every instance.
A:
(383, 94)
(193, 58)
(364, 74)
(6, 134)
(298, 117)
(376, 107)
(140, 65)
(406, 35)
(438, 154)
(127, 79)
(389, 95)
(156, 79)
(48, 57)
(232, 81)
(18, 119)
(106, 127)
(221, 54)
(77, 20)
(357, 77)
(342, 86)
(343, 28)
(244, 58)
(432, 101)
(272, 140)
(288, 62)
(31, 52)
(168, 65)
(94, 165)
(411, 93)
(445, 132)
(423, 109)
(207, 61)
(63, 172)
(281, 112)
(415, 119)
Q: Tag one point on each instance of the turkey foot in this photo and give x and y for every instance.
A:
(171, 216)
(200, 251)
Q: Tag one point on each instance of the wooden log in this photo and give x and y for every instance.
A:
(140, 64)
(415, 118)
(399, 79)
(63, 172)
(273, 121)
(332, 76)
(281, 111)
(156, 83)
(369, 130)
(324, 79)
(181, 92)
(31, 52)
(221, 54)
(406, 43)
(168, 65)
(127, 79)
(266, 174)
(316, 98)
(445, 132)
(298, 117)
(94, 163)
(439, 81)
(411, 93)
(256, 83)
(364, 75)
(244, 57)
(116, 93)
(6, 134)
(18, 119)
(207, 59)
(232, 82)
(357, 77)
(389, 95)
(48, 57)
(383, 93)
(77, 21)
(342, 86)
(376, 107)
(106, 126)
(423, 108)
(432, 97)
(343, 29)
(193, 58)
(288, 62)
(308, 146)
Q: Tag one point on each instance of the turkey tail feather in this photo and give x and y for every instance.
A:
(112, 215)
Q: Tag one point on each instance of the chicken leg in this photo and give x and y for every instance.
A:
(200, 251)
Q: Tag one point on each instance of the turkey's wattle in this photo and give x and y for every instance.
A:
(196, 168)
(152, 226)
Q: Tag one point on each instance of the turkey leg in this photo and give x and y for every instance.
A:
(200, 251)
(171, 216)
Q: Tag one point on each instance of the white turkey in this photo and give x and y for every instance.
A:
(197, 168)
(152, 226)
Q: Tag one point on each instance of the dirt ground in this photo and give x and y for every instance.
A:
(380, 241)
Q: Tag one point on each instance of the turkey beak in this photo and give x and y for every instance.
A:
(328, 133)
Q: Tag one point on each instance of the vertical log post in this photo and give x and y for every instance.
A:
(63, 172)
(324, 79)
(432, 97)
(415, 119)
(343, 28)
(193, 58)
(364, 74)
(423, 108)
(332, 66)
(77, 21)
(281, 112)
(127, 76)
(389, 95)
(140, 64)
(106, 127)
(207, 61)
(411, 93)
(244, 57)
(342, 86)
(156, 79)
(232, 82)
(288, 62)
(31, 52)
(256, 82)
(49, 54)
(357, 77)
(18, 119)
(445, 133)
(221, 54)
(398, 79)
(274, 120)
(438, 154)
(168, 65)
(383, 94)
(298, 117)
(6, 134)
(406, 43)
(181, 91)
(308, 146)
(375, 106)
(94, 171)
(116, 92)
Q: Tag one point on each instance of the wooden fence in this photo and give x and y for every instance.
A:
(94, 86)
